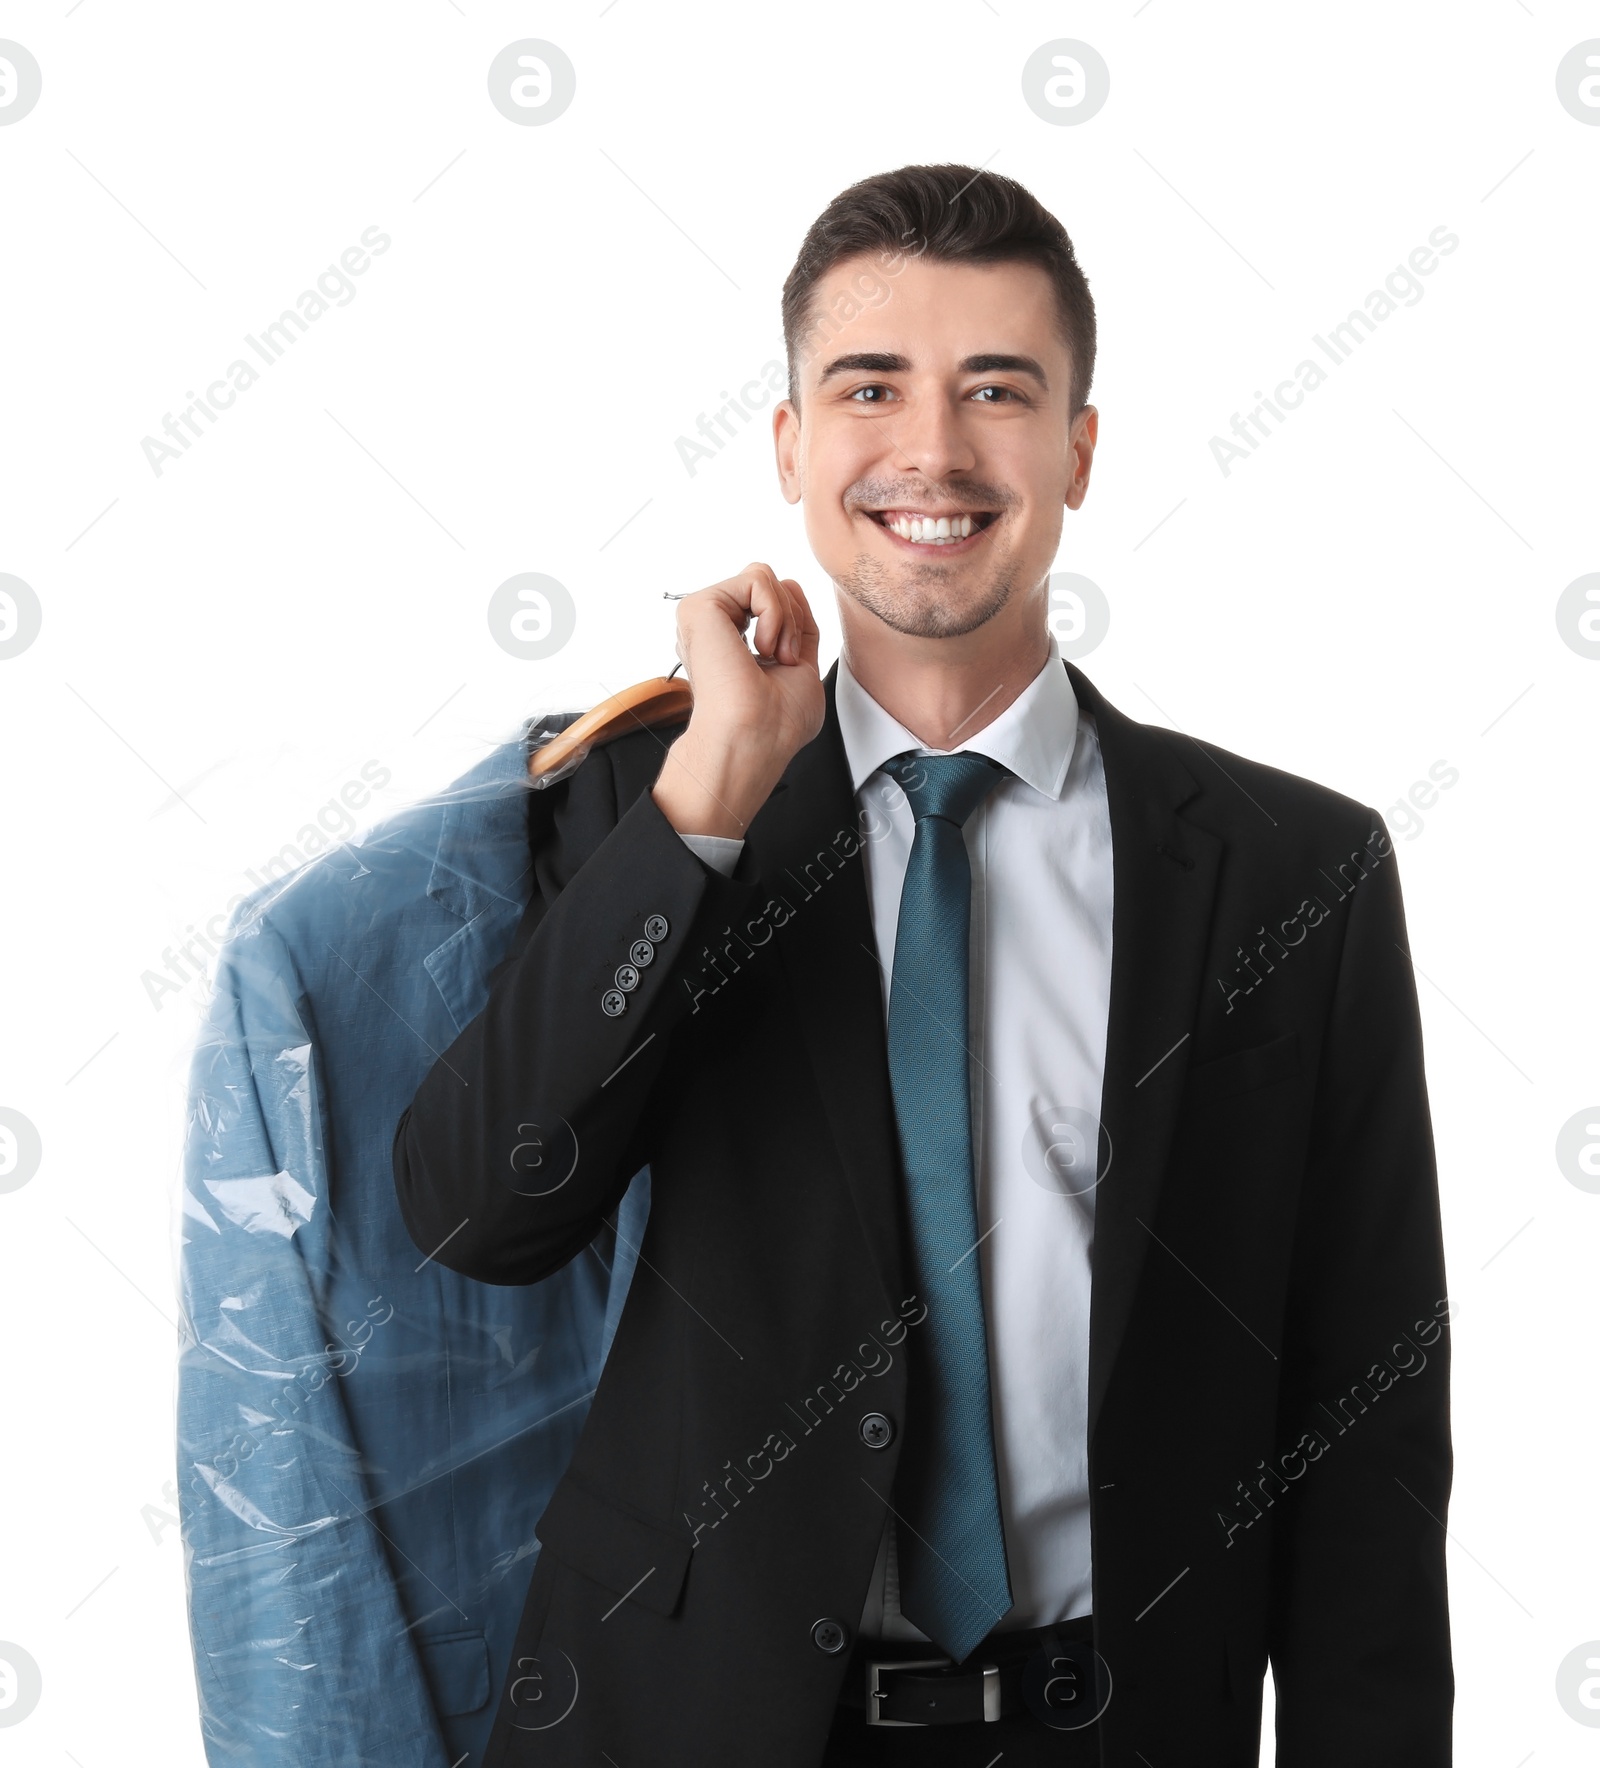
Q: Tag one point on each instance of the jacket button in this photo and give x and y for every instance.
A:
(613, 1002)
(641, 952)
(830, 1636)
(877, 1432)
(626, 978)
(655, 929)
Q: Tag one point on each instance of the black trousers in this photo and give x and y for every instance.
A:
(1018, 1740)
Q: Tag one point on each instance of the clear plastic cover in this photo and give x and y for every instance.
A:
(366, 1439)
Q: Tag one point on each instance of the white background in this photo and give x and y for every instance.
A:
(225, 644)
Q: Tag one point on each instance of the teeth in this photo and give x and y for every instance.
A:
(933, 530)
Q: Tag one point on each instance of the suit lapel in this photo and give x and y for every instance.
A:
(1165, 874)
(804, 846)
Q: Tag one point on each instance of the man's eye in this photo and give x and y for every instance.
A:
(1009, 393)
(877, 387)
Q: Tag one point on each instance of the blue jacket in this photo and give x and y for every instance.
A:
(366, 1439)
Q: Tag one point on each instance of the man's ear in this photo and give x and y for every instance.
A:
(1085, 433)
(786, 446)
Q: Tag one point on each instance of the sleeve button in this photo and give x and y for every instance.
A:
(877, 1431)
(641, 952)
(655, 929)
(613, 1002)
(626, 978)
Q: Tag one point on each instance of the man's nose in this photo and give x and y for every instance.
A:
(926, 436)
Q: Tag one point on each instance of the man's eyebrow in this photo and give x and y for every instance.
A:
(872, 361)
(887, 362)
(997, 363)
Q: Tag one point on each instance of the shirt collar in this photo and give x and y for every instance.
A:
(1034, 737)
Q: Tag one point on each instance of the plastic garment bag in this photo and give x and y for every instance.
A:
(366, 1439)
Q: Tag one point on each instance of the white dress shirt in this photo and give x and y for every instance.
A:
(1039, 995)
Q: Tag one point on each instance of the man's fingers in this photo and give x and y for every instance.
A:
(770, 602)
(782, 616)
(793, 616)
(802, 629)
(806, 635)
(785, 622)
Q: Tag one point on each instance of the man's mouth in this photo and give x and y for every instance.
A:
(934, 528)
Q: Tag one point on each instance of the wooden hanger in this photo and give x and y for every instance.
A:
(662, 699)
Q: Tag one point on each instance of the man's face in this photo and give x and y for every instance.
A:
(932, 450)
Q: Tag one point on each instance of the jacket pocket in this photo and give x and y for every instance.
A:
(617, 1550)
(1245, 1069)
(457, 1668)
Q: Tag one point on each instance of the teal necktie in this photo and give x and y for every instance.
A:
(954, 1584)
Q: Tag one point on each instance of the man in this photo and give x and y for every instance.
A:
(1043, 1285)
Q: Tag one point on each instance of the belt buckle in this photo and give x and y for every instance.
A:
(991, 1687)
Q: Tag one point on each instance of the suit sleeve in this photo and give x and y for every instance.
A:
(303, 1656)
(1360, 1632)
(525, 1133)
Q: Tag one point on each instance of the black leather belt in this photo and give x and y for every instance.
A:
(890, 1685)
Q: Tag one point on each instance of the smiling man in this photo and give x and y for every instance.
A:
(1040, 1323)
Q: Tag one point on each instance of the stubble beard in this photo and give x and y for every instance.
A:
(916, 601)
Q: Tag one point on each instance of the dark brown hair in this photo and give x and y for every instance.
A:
(950, 215)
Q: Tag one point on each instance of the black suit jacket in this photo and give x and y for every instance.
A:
(1269, 1448)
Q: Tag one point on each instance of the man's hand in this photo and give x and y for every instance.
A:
(752, 712)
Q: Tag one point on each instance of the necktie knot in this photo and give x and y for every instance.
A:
(950, 787)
